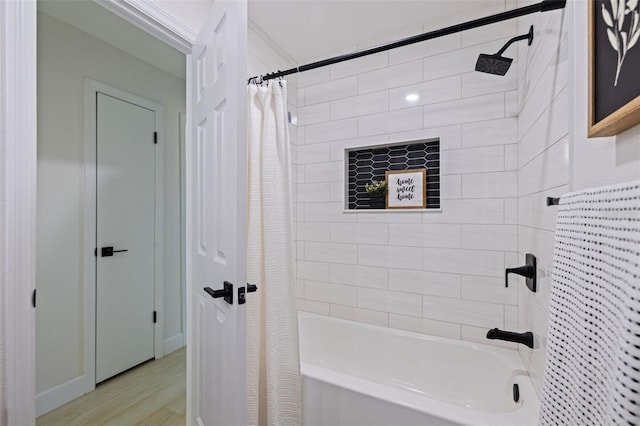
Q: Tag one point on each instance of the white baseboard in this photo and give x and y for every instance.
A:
(59, 395)
(173, 343)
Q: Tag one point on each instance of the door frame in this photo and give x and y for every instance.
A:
(18, 177)
(92, 88)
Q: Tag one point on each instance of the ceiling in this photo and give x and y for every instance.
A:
(93, 19)
(306, 30)
(314, 29)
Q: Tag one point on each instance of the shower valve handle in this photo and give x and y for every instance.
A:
(528, 271)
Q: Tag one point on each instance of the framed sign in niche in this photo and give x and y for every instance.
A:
(406, 189)
(614, 64)
(367, 168)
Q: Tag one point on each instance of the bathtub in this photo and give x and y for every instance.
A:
(363, 375)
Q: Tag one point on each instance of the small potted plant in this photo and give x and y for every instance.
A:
(377, 191)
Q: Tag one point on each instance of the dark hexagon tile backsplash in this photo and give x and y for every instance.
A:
(366, 165)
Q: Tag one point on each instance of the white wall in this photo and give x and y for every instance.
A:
(66, 57)
(437, 272)
(555, 155)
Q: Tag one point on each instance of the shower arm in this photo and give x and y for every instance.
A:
(543, 6)
(513, 40)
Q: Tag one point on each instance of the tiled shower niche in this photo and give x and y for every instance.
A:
(367, 164)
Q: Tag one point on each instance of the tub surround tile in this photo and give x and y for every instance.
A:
(390, 122)
(390, 256)
(502, 131)
(338, 147)
(490, 237)
(450, 136)
(425, 93)
(425, 326)
(459, 261)
(490, 185)
(312, 306)
(464, 312)
(330, 90)
(490, 210)
(498, 31)
(425, 235)
(330, 293)
(450, 187)
(356, 106)
(331, 252)
(309, 270)
(331, 131)
(315, 76)
(472, 160)
(360, 315)
(323, 172)
(359, 65)
(467, 110)
(478, 83)
(388, 217)
(489, 289)
(361, 276)
(327, 212)
(390, 301)
(313, 192)
(420, 282)
(380, 267)
(393, 76)
(315, 153)
(312, 231)
(314, 114)
(423, 50)
(361, 233)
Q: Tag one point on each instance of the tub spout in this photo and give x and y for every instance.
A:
(510, 336)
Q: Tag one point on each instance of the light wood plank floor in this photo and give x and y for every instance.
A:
(152, 394)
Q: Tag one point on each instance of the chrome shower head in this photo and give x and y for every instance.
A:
(497, 64)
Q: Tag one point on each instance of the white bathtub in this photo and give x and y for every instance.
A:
(357, 374)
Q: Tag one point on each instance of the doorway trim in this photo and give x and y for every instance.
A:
(18, 180)
(18, 174)
(92, 88)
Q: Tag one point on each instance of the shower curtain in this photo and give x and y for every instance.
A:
(274, 386)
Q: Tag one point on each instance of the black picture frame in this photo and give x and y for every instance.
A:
(614, 67)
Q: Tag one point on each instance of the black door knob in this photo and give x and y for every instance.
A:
(108, 251)
(226, 292)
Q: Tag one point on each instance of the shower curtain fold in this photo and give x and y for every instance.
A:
(274, 386)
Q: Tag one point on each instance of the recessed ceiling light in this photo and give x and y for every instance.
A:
(412, 97)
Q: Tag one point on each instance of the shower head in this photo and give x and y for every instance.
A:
(493, 64)
(497, 64)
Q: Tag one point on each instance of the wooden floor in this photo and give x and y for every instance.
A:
(152, 394)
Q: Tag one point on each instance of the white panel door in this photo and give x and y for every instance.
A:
(216, 218)
(125, 221)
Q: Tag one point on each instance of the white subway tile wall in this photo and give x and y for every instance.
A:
(543, 167)
(437, 272)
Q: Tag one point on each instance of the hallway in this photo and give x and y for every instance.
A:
(152, 394)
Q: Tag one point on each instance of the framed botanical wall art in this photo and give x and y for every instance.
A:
(614, 66)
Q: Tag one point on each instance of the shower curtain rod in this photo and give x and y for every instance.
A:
(543, 6)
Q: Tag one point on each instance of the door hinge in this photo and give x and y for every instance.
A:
(155, 137)
(155, 317)
(33, 297)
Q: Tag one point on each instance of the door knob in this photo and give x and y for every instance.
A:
(226, 292)
(108, 251)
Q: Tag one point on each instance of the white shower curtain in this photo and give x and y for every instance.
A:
(274, 387)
